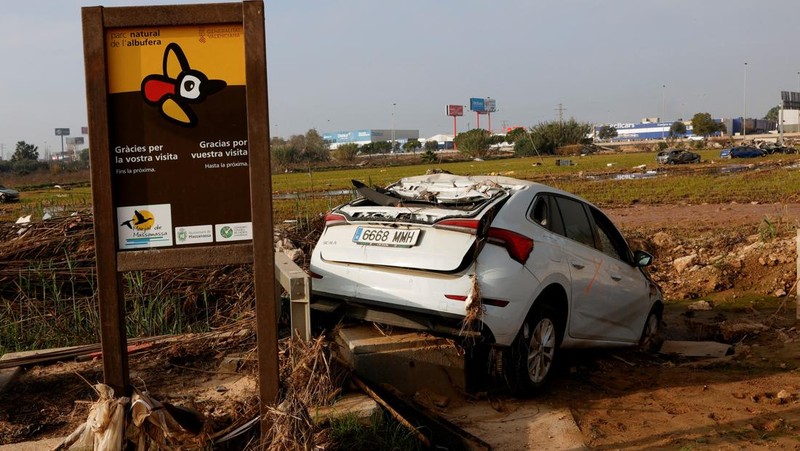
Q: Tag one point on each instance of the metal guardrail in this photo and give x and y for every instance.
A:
(298, 285)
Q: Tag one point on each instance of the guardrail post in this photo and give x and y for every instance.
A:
(298, 285)
(797, 278)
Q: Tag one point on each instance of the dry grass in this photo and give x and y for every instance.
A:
(310, 379)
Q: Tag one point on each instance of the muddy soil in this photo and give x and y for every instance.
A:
(739, 259)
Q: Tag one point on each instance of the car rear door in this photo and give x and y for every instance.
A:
(607, 293)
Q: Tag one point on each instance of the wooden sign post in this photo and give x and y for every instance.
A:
(180, 164)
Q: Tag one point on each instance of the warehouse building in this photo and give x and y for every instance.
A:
(365, 136)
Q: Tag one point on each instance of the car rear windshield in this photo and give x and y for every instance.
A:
(424, 202)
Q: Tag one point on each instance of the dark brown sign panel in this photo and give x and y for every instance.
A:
(178, 135)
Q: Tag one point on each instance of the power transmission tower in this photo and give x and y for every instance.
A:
(561, 110)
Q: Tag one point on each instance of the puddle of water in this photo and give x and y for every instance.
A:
(332, 193)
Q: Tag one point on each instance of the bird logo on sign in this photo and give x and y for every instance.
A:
(177, 87)
(142, 220)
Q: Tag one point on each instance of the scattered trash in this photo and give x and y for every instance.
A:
(560, 162)
(105, 426)
(643, 175)
(24, 220)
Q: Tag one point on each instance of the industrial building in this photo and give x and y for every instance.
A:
(365, 136)
(660, 129)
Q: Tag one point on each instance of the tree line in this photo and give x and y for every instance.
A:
(25, 160)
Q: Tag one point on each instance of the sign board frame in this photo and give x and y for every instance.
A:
(111, 263)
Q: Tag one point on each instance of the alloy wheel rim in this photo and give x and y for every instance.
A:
(542, 347)
(652, 330)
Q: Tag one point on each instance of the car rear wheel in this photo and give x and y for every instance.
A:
(651, 335)
(535, 351)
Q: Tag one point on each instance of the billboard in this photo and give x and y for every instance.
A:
(477, 104)
(178, 135)
(455, 110)
(481, 105)
(62, 132)
(791, 100)
(74, 141)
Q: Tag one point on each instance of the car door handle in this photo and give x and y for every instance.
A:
(616, 278)
(577, 265)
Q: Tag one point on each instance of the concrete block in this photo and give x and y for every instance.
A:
(409, 361)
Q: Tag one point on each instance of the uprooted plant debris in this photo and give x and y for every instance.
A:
(48, 279)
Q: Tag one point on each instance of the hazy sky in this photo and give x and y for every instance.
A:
(341, 64)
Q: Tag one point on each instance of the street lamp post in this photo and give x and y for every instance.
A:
(663, 88)
(393, 105)
(744, 101)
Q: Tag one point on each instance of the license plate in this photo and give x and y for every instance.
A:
(376, 236)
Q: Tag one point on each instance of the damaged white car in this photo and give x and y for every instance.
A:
(528, 268)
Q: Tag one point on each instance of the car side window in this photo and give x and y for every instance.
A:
(545, 213)
(540, 213)
(610, 241)
(576, 223)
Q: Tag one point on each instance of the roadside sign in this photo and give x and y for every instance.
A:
(76, 141)
(477, 104)
(455, 110)
(84, 130)
(178, 122)
(62, 132)
(179, 125)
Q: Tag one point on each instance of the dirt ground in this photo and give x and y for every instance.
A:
(739, 258)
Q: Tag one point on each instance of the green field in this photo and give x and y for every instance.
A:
(771, 179)
(304, 195)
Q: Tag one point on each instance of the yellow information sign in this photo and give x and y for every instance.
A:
(178, 135)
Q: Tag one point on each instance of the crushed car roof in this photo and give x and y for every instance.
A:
(454, 188)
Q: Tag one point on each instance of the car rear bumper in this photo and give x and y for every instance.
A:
(506, 290)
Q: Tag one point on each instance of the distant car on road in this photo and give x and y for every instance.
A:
(677, 156)
(742, 152)
(547, 269)
(8, 195)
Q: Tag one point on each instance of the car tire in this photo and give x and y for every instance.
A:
(534, 352)
(2, 198)
(651, 339)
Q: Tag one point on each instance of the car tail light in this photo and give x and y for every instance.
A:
(519, 247)
(459, 225)
(334, 219)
